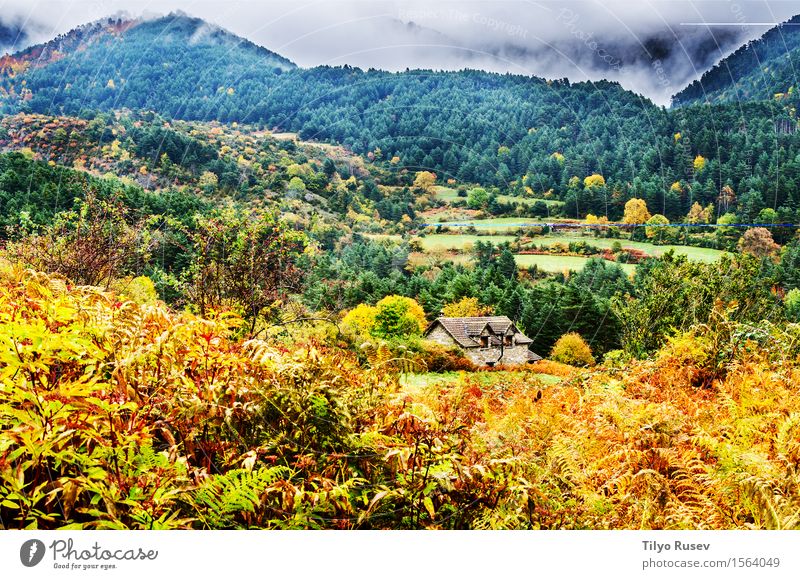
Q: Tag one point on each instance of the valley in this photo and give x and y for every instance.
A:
(236, 293)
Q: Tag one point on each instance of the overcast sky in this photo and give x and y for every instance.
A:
(652, 47)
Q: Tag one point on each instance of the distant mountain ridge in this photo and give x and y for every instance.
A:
(469, 124)
(43, 54)
(517, 132)
(142, 33)
(766, 68)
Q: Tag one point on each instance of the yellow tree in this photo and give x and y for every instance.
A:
(359, 321)
(699, 163)
(466, 308)
(596, 223)
(572, 349)
(656, 227)
(425, 180)
(594, 181)
(697, 214)
(398, 317)
(636, 212)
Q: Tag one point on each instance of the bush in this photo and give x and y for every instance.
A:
(358, 322)
(686, 360)
(616, 359)
(438, 358)
(792, 304)
(140, 290)
(572, 349)
(92, 245)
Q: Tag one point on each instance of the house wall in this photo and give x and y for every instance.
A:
(515, 355)
(439, 335)
(511, 355)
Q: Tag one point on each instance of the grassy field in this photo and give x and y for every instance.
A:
(552, 203)
(495, 224)
(694, 253)
(559, 263)
(444, 241)
(449, 195)
(548, 263)
(462, 241)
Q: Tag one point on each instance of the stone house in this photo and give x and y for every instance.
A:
(486, 340)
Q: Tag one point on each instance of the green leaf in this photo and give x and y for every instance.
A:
(428, 503)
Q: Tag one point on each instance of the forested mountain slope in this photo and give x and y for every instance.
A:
(469, 123)
(767, 68)
(173, 64)
(516, 132)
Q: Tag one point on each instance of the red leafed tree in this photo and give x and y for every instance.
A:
(758, 241)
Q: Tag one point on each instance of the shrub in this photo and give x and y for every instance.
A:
(686, 360)
(792, 304)
(92, 245)
(616, 359)
(136, 289)
(572, 349)
(358, 322)
(438, 358)
(758, 241)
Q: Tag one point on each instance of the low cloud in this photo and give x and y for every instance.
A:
(654, 48)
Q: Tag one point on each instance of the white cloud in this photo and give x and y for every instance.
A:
(648, 46)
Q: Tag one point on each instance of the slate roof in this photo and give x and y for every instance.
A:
(533, 356)
(465, 330)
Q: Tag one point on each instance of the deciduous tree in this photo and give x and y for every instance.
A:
(425, 180)
(398, 317)
(758, 241)
(636, 212)
(465, 308)
(247, 261)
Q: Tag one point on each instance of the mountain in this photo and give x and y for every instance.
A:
(471, 125)
(766, 68)
(118, 62)
(522, 134)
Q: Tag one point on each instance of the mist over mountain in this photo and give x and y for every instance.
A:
(656, 64)
(654, 49)
(766, 68)
(13, 36)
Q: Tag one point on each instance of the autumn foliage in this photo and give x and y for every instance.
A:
(116, 414)
(572, 349)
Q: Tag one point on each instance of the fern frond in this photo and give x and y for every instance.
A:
(223, 498)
